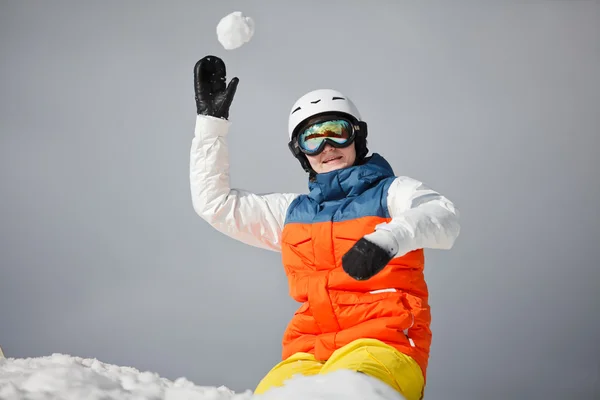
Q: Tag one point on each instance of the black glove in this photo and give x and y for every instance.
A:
(366, 258)
(213, 97)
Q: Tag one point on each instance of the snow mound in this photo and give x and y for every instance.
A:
(235, 29)
(343, 384)
(66, 377)
(61, 376)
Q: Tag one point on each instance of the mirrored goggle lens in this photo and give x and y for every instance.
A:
(338, 131)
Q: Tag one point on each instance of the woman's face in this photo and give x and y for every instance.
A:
(332, 158)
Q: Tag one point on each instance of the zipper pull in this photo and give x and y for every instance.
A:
(412, 343)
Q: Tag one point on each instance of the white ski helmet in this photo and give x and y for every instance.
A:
(324, 101)
(317, 102)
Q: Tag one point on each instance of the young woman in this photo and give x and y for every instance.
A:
(352, 248)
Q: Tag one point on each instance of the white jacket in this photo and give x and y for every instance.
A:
(421, 217)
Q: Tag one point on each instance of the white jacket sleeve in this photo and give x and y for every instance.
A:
(421, 217)
(251, 218)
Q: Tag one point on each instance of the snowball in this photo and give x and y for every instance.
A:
(234, 30)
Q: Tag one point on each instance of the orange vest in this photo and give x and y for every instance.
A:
(320, 228)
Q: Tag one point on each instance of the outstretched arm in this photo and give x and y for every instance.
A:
(251, 218)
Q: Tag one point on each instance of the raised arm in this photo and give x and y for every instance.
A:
(251, 218)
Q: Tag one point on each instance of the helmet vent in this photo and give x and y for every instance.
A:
(337, 98)
(297, 109)
(315, 101)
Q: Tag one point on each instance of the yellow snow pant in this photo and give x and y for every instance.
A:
(369, 356)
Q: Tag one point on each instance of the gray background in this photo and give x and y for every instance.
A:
(494, 104)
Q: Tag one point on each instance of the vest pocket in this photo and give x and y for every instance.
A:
(298, 240)
(343, 242)
(348, 236)
(343, 298)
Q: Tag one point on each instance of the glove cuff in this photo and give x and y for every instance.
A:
(384, 239)
(209, 126)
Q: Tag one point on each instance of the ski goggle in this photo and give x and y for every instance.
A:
(337, 132)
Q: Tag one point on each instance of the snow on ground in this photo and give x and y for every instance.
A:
(61, 376)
